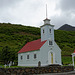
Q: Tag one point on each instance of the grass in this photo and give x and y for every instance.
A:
(2, 66)
(66, 60)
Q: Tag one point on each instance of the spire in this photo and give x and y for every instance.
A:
(46, 11)
(46, 21)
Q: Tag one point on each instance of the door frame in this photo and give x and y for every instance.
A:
(49, 57)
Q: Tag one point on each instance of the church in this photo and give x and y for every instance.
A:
(44, 51)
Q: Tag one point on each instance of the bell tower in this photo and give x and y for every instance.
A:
(47, 30)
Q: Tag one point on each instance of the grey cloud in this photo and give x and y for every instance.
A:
(58, 21)
(26, 11)
(67, 15)
(67, 5)
(7, 3)
(62, 19)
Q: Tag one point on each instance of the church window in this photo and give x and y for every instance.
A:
(43, 31)
(35, 56)
(50, 43)
(50, 30)
(21, 57)
(27, 56)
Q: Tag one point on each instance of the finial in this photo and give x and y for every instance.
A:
(46, 11)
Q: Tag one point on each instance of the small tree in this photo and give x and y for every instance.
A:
(5, 54)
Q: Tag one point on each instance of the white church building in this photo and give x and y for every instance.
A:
(44, 50)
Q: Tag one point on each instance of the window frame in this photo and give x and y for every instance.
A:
(21, 57)
(50, 30)
(35, 56)
(50, 42)
(27, 57)
(43, 31)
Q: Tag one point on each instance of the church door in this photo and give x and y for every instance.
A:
(51, 57)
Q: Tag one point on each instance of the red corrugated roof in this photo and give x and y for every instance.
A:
(31, 46)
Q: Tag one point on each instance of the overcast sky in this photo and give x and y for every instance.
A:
(33, 12)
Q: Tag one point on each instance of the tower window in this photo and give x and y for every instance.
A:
(50, 30)
(50, 43)
(27, 56)
(43, 31)
(35, 56)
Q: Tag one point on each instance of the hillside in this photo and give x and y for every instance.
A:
(67, 27)
(13, 37)
(17, 35)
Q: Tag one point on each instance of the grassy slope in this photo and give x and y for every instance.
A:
(16, 36)
(66, 41)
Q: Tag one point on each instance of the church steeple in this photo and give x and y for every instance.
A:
(47, 30)
(46, 21)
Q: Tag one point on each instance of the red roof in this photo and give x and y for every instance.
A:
(32, 46)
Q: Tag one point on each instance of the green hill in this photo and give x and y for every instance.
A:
(13, 37)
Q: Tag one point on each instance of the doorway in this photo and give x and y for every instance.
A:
(51, 57)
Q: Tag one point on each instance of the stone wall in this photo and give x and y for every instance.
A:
(35, 70)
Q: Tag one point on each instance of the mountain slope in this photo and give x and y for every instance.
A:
(67, 27)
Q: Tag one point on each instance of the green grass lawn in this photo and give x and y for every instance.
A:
(66, 60)
(2, 66)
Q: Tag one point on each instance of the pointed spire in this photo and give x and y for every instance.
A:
(46, 21)
(46, 11)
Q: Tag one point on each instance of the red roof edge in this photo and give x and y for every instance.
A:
(28, 51)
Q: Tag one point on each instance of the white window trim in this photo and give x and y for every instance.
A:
(29, 56)
(22, 57)
(49, 31)
(48, 43)
(52, 42)
(36, 56)
(43, 31)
